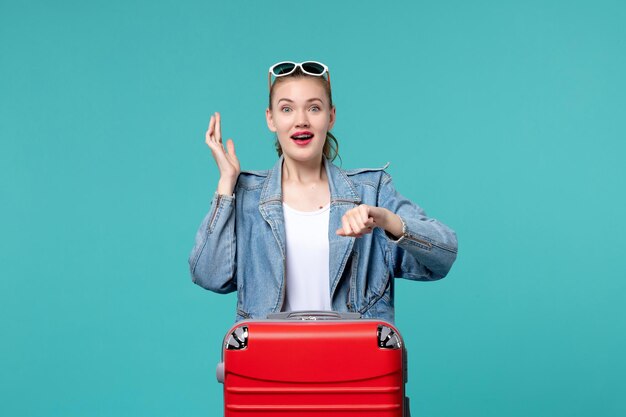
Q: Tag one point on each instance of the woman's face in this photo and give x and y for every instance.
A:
(301, 116)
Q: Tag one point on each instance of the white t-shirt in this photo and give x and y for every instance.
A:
(307, 285)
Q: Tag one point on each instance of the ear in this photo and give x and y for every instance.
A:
(269, 120)
(333, 115)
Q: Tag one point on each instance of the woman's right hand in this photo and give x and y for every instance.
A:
(227, 163)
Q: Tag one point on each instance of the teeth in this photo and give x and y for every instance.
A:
(302, 136)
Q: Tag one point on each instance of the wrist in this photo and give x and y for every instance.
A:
(226, 186)
(391, 223)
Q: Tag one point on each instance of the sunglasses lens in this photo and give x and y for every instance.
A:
(283, 68)
(313, 68)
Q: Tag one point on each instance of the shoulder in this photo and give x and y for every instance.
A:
(369, 175)
(252, 179)
(255, 174)
(357, 171)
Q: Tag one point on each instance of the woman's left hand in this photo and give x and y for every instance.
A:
(362, 219)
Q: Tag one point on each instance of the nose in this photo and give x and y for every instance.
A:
(302, 120)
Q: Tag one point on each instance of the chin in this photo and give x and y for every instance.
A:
(303, 155)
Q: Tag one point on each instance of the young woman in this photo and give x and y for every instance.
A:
(307, 235)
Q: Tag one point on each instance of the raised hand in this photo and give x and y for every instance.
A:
(227, 162)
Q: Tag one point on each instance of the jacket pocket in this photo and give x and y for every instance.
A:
(378, 292)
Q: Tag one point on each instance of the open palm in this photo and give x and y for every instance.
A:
(226, 159)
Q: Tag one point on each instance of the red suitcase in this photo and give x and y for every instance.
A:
(313, 364)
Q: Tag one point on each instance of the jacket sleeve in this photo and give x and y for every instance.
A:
(212, 260)
(427, 248)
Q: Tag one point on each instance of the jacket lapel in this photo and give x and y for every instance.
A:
(343, 197)
(271, 206)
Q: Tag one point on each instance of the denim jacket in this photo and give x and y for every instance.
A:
(240, 245)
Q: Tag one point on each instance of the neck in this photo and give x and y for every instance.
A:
(303, 172)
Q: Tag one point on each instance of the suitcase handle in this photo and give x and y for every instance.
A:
(314, 315)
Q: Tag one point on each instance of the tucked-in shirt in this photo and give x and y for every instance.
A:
(307, 283)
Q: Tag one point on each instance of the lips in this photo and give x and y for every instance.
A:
(302, 138)
(302, 135)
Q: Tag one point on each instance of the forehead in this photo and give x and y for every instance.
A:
(300, 89)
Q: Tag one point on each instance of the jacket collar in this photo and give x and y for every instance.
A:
(341, 188)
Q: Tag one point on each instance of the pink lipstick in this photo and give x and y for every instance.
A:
(302, 138)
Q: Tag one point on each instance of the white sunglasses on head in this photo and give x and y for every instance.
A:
(284, 68)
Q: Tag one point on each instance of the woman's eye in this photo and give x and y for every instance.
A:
(285, 109)
(315, 108)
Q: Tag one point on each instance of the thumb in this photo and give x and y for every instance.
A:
(230, 145)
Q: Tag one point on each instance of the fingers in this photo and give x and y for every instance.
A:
(230, 146)
(232, 156)
(345, 223)
(218, 127)
(227, 163)
(214, 132)
(356, 222)
(210, 130)
(213, 137)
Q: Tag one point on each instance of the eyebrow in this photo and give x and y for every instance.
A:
(308, 101)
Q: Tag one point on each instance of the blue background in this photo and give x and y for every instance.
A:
(504, 119)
